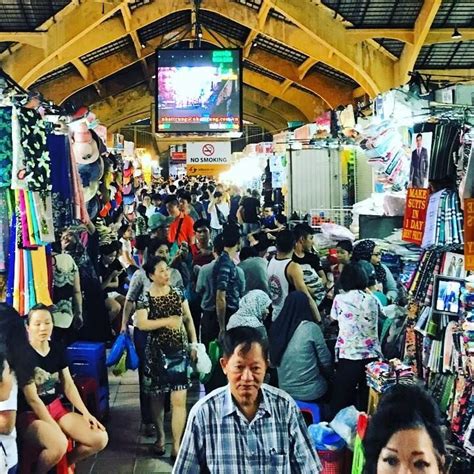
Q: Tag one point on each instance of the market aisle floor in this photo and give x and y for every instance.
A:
(128, 451)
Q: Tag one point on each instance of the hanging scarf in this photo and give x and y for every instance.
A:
(295, 310)
(363, 251)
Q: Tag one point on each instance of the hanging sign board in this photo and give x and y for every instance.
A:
(469, 234)
(206, 170)
(208, 153)
(415, 215)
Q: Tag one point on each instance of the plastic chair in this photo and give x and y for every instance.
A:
(88, 389)
(311, 410)
(28, 456)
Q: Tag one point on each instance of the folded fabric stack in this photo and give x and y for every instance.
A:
(444, 220)
(383, 375)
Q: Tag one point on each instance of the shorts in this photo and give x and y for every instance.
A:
(56, 409)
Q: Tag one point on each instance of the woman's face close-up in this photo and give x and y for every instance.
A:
(40, 326)
(409, 451)
(376, 256)
(161, 275)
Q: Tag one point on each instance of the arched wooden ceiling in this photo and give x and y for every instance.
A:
(311, 54)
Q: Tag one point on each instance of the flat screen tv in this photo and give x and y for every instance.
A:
(198, 90)
(447, 295)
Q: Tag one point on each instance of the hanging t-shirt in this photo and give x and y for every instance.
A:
(9, 440)
(46, 375)
(311, 265)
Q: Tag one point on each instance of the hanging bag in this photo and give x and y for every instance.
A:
(118, 348)
(175, 247)
(132, 356)
(220, 216)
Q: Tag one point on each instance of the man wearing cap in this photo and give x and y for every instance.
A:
(159, 226)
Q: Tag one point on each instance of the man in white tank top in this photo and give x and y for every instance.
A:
(285, 276)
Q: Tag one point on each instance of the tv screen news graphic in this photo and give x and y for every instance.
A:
(198, 90)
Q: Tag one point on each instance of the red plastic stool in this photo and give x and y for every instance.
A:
(29, 455)
(89, 391)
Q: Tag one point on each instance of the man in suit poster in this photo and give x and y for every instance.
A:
(420, 160)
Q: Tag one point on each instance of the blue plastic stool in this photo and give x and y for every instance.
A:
(311, 409)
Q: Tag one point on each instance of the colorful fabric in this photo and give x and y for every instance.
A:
(6, 146)
(33, 140)
(18, 155)
(61, 180)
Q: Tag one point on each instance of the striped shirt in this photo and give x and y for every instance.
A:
(220, 440)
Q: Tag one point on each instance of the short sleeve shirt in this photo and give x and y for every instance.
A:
(186, 232)
(226, 279)
(357, 315)
(46, 374)
(9, 440)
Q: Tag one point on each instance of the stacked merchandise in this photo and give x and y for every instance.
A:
(383, 375)
(386, 151)
(444, 220)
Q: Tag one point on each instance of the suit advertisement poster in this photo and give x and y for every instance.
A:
(420, 160)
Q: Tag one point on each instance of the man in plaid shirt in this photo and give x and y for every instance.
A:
(246, 426)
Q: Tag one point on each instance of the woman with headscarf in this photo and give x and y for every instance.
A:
(299, 351)
(253, 308)
(368, 250)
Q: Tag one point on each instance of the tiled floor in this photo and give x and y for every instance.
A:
(128, 451)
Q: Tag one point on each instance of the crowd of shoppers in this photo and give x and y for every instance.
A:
(202, 263)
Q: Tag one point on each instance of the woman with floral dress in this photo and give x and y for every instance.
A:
(167, 317)
(356, 311)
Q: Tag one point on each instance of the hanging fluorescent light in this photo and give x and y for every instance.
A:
(456, 34)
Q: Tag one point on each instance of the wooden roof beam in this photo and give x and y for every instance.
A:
(365, 64)
(33, 38)
(411, 51)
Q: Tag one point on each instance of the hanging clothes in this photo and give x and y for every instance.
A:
(61, 180)
(6, 146)
(33, 141)
(18, 155)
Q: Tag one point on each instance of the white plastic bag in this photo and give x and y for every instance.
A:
(204, 364)
(345, 425)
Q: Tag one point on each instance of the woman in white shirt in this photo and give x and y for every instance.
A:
(125, 235)
(219, 210)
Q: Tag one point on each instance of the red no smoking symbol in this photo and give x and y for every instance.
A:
(208, 149)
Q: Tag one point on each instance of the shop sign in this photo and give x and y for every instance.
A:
(206, 169)
(415, 215)
(208, 153)
(469, 234)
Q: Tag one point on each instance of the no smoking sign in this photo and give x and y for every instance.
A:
(208, 149)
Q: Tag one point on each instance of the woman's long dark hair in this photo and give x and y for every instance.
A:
(13, 335)
(403, 407)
